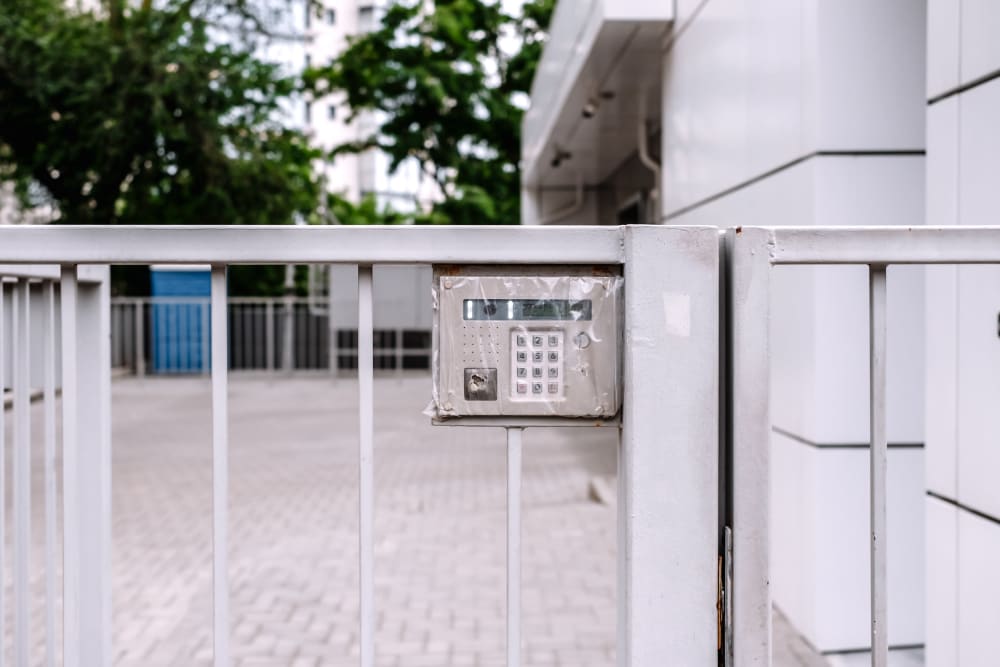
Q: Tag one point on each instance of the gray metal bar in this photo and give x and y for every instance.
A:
(366, 468)
(288, 320)
(259, 244)
(884, 245)
(50, 472)
(671, 535)
(269, 334)
(140, 337)
(68, 290)
(750, 294)
(204, 331)
(3, 466)
(331, 328)
(22, 472)
(92, 501)
(220, 468)
(514, 546)
(877, 469)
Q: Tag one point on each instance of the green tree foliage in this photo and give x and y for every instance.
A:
(443, 90)
(148, 114)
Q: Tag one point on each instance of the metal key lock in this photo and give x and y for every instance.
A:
(527, 341)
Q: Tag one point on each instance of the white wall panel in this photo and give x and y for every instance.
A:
(793, 524)
(684, 11)
(841, 533)
(943, 27)
(979, 590)
(941, 301)
(871, 75)
(867, 191)
(978, 387)
(979, 154)
(941, 386)
(980, 46)
(732, 98)
(942, 162)
(941, 625)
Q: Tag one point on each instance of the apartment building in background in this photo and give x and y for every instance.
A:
(310, 33)
(819, 112)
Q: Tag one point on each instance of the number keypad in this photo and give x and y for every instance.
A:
(536, 355)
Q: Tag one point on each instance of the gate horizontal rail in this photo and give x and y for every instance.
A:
(752, 252)
(668, 533)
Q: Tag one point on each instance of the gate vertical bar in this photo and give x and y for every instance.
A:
(269, 334)
(22, 472)
(50, 472)
(877, 468)
(366, 468)
(620, 569)
(749, 294)
(670, 446)
(140, 337)
(514, 436)
(92, 500)
(3, 472)
(331, 328)
(205, 337)
(70, 411)
(220, 468)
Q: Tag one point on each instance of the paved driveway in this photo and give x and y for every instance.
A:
(440, 531)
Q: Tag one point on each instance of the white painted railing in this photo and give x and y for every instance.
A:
(30, 361)
(752, 254)
(668, 532)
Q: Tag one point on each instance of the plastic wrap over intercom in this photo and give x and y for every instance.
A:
(527, 342)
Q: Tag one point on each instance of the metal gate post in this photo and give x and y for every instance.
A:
(86, 362)
(668, 470)
(749, 290)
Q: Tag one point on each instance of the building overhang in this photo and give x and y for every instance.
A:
(599, 76)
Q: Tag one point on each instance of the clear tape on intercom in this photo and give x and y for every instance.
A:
(567, 326)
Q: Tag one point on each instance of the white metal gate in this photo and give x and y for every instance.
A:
(668, 531)
(752, 253)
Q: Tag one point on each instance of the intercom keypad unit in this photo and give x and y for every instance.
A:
(532, 341)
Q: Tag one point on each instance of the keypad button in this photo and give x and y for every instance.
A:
(553, 341)
(522, 341)
(522, 357)
(522, 387)
(553, 356)
(537, 357)
(553, 372)
(536, 372)
(553, 387)
(522, 372)
(536, 341)
(536, 388)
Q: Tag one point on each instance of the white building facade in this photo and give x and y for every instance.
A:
(818, 112)
(963, 385)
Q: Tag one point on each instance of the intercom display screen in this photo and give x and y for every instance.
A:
(528, 309)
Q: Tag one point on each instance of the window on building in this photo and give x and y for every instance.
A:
(308, 112)
(331, 16)
(331, 112)
(366, 18)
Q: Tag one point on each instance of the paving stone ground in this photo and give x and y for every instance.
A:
(440, 531)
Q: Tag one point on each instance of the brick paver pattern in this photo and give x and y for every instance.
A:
(440, 586)
(440, 549)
